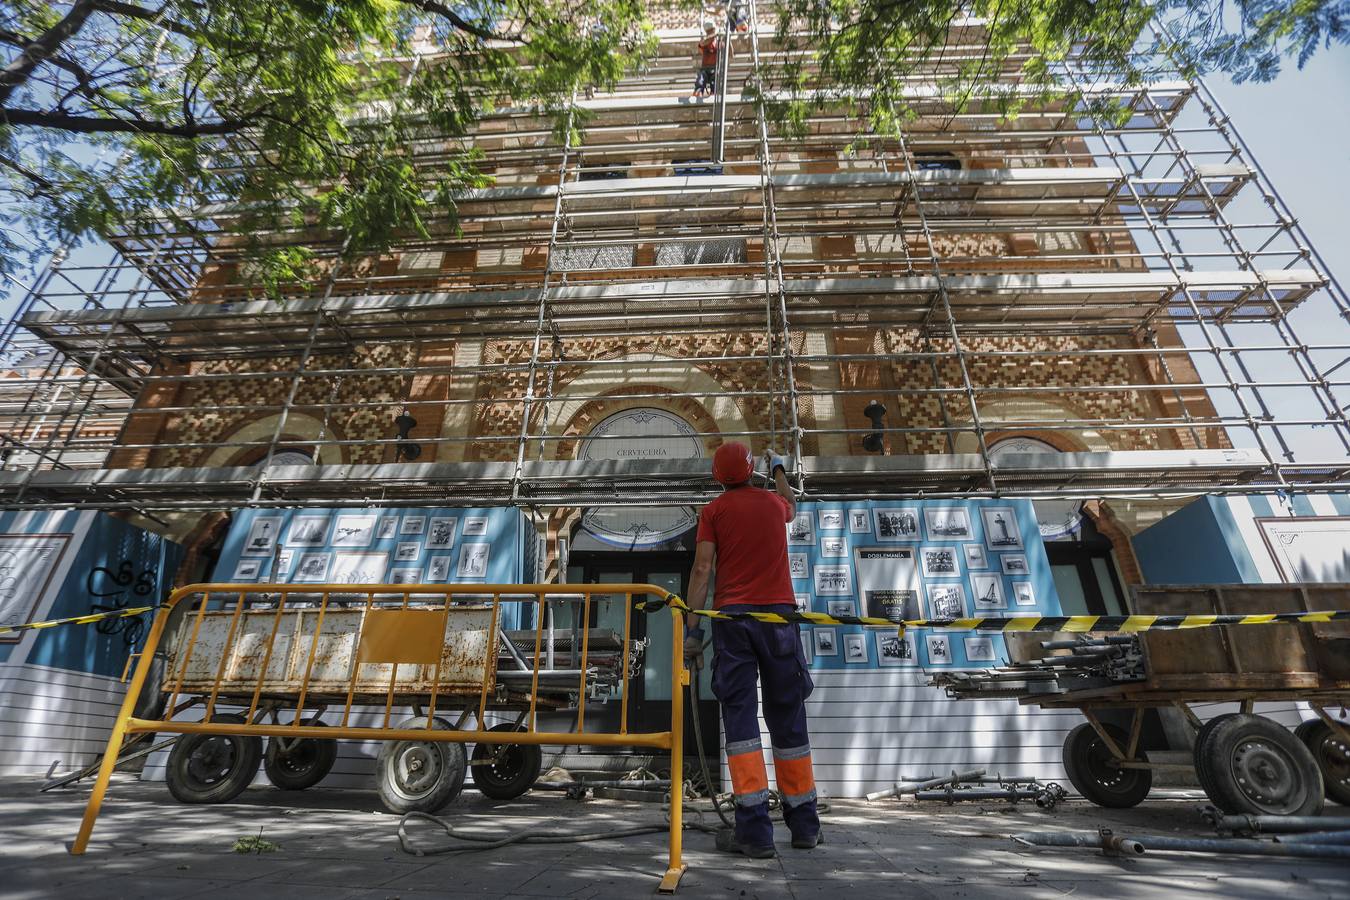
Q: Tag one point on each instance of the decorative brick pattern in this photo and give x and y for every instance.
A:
(329, 397)
(498, 412)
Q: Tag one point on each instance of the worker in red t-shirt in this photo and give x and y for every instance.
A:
(743, 533)
(708, 48)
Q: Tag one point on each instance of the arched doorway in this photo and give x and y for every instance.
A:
(643, 545)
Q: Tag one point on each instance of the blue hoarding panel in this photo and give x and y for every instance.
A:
(905, 560)
(1194, 545)
(70, 564)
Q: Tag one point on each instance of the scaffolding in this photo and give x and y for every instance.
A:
(1126, 291)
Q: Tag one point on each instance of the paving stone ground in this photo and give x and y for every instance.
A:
(341, 844)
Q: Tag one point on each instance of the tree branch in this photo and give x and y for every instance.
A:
(446, 12)
(155, 16)
(45, 184)
(17, 72)
(98, 125)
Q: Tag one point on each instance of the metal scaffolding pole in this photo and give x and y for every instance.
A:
(775, 290)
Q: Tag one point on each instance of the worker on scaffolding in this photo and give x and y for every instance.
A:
(743, 534)
(708, 48)
(738, 15)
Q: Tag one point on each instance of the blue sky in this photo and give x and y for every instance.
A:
(1298, 126)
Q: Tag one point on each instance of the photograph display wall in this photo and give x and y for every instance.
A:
(916, 559)
(355, 546)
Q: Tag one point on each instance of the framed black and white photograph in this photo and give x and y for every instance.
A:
(1000, 528)
(939, 649)
(27, 566)
(473, 560)
(987, 592)
(897, 523)
(413, 525)
(859, 521)
(808, 646)
(247, 570)
(833, 580)
(353, 531)
(947, 523)
(312, 566)
(940, 562)
(1013, 564)
(359, 568)
(308, 531)
(801, 530)
(284, 560)
(833, 545)
(827, 642)
(441, 533)
(387, 528)
(438, 568)
(801, 602)
(405, 576)
(895, 649)
(840, 608)
(830, 519)
(407, 551)
(799, 565)
(262, 536)
(475, 526)
(976, 558)
(947, 601)
(1024, 593)
(980, 649)
(855, 648)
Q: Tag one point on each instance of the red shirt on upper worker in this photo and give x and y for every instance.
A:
(708, 48)
(748, 525)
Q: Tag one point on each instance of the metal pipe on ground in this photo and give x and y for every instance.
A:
(901, 787)
(1166, 844)
(1095, 840)
(1275, 824)
(1011, 794)
(1315, 837)
(650, 784)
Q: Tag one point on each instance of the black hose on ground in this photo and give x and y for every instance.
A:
(702, 759)
(470, 842)
(475, 841)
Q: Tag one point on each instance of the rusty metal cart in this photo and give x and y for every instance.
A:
(362, 656)
(1247, 763)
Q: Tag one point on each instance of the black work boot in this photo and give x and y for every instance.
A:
(727, 843)
(807, 841)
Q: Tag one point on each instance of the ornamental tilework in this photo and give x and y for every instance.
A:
(329, 399)
(498, 411)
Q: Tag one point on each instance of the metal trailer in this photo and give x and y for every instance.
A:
(1248, 764)
(246, 660)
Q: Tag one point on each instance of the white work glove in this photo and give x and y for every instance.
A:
(775, 462)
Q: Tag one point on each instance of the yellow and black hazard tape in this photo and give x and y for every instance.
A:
(78, 620)
(1125, 624)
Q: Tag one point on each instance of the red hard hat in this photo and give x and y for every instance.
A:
(733, 464)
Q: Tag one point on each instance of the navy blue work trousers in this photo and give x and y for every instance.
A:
(746, 653)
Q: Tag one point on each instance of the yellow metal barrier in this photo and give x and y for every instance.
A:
(396, 628)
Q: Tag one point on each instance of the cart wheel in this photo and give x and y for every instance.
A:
(1093, 770)
(1253, 766)
(420, 776)
(1199, 757)
(294, 765)
(212, 768)
(513, 770)
(1332, 755)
